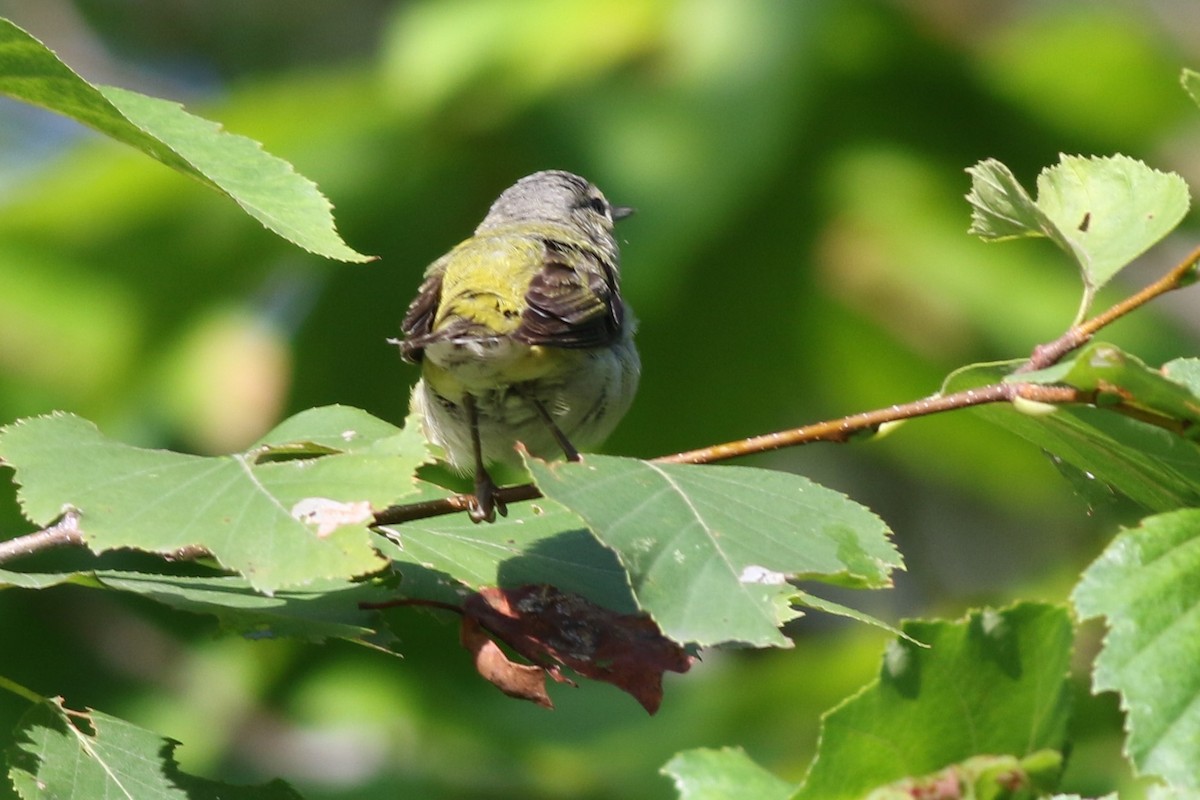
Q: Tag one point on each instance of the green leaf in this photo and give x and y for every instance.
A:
(1001, 208)
(326, 609)
(323, 610)
(1104, 212)
(710, 550)
(63, 753)
(1184, 371)
(268, 188)
(809, 600)
(1154, 467)
(1147, 586)
(1120, 378)
(1111, 209)
(279, 524)
(538, 542)
(992, 684)
(725, 774)
(45, 580)
(339, 429)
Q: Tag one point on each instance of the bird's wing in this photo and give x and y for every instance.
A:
(573, 301)
(418, 321)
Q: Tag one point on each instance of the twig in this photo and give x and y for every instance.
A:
(63, 533)
(66, 532)
(1045, 355)
(841, 430)
(394, 515)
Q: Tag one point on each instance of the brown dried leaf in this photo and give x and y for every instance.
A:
(552, 628)
(522, 681)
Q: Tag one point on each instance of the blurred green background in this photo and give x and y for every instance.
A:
(799, 252)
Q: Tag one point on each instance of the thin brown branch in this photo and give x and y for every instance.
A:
(394, 515)
(63, 533)
(66, 532)
(841, 430)
(1045, 355)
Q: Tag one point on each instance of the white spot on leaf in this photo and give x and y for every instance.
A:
(329, 515)
(757, 574)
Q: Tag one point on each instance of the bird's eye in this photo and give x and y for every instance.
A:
(596, 204)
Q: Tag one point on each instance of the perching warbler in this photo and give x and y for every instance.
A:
(521, 332)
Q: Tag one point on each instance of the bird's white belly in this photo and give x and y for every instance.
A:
(586, 394)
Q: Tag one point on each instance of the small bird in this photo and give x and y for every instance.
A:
(522, 335)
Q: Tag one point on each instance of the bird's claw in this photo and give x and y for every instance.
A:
(484, 505)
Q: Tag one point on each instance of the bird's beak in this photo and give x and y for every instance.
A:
(621, 212)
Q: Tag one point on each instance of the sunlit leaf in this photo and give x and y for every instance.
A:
(808, 600)
(279, 524)
(1153, 466)
(339, 429)
(725, 774)
(44, 580)
(268, 188)
(994, 683)
(1160, 792)
(1147, 586)
(1001, 208)
(63, 753)
(1104, 212)
(1184, 371)
(710, 550)
(1111, 209)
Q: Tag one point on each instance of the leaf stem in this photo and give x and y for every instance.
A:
(20, 691)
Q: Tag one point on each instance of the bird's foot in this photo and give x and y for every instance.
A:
(485, 503)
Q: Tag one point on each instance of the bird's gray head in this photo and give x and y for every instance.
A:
(555, 196)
